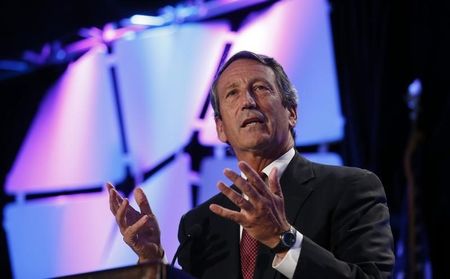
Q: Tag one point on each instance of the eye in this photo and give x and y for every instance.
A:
(260, 88)
(231, 93)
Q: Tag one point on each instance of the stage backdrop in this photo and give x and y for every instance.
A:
(158, 79)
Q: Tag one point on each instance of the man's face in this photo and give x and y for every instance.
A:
(253, 118)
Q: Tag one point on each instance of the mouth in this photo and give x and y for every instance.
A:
(251, 122)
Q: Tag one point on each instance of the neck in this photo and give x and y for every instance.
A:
(258, 160)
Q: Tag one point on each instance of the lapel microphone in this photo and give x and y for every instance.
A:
(191, 233)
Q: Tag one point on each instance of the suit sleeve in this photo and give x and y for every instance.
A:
(183, 257)
(191, 254)
(361, 243)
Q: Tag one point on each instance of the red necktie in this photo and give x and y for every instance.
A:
(249, 251)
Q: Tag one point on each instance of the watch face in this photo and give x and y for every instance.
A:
(287, 241)
(288, 238)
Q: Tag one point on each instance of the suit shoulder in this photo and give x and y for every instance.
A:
(344, 173)
(344, 178)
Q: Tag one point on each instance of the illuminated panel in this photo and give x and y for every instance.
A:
(164, 76)
(208, 134)
(74, 138)
(211, 172)
(169, 195)
(298, 35)
(58, 236)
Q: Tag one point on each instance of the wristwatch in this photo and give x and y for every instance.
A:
(287, 240)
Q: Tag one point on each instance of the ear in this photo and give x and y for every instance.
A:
(292, 116)
(220, 130)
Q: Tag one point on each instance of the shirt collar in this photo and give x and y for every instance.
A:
(281, 164)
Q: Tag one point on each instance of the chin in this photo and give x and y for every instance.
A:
(256, 144)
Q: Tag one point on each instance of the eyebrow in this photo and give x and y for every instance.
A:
(231, 86)
(236, 84)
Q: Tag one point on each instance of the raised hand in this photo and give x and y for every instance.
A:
(262, 214)
(140, 230)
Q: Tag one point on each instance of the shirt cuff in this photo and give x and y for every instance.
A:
(287, 265)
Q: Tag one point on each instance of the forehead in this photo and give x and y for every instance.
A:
(242, 71)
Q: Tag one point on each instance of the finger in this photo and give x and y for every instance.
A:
(118, 196)
(120, 215)
(130, 233)
(112, 199)
(113, 204)
(109, 186)
(227, 213)
(254, 178)
(241, 183)
(234, 196)
(115, 200)
(113, 193)
(274, 183)
(142, 201)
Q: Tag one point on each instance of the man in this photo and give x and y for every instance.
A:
(284, 216)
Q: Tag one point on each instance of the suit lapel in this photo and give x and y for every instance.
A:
(295, 190)
(295, 187)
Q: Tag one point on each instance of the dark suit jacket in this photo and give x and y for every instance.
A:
(341, 212)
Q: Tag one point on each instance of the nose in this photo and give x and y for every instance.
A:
(248, 100)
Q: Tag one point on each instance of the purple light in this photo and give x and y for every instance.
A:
(74, 138)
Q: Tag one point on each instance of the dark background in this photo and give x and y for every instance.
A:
(30, 24)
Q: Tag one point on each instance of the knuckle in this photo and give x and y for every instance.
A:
(128, 235)
(126, 239)
(117, 219)
(240, 200)
(262, 202)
